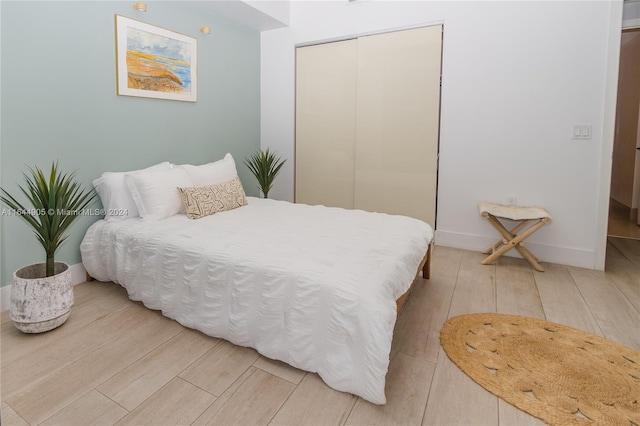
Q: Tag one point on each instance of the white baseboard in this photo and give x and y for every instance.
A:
(5, 297)
(546, 253)
(78, 276)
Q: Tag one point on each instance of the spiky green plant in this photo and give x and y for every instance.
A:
(265, 166)
(56, 202)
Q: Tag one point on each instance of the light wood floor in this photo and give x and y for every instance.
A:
(620, 224)
(116, 362)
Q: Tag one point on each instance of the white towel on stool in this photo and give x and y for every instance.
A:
(513, 212)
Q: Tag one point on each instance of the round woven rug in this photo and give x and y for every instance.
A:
(556, 373)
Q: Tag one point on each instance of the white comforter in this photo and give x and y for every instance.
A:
(312, 286)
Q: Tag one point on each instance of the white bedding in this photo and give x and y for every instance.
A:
(312, 286)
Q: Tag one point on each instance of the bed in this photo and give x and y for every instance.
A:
(316, 287)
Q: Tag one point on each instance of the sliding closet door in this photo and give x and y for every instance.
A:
(325, 123)
(398, 99)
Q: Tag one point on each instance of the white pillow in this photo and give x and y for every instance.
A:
(156, 192)
(115, 196)
(212, 173)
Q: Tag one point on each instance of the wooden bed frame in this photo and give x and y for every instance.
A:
(425, 267)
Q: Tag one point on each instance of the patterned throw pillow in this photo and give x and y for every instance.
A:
(201, 201)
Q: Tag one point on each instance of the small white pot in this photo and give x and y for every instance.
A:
(40, 303)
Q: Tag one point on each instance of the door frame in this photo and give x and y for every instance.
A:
(608, 131)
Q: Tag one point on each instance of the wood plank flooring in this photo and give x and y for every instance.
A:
(620, 223)
(116, 362)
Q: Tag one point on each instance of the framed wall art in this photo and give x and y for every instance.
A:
(153, 62)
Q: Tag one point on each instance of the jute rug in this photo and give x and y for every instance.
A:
(556, 373)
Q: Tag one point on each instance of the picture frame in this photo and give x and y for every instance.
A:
(154, 62)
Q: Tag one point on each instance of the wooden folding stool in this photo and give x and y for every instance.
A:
(530, 220)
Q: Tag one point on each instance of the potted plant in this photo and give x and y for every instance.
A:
(42, 293)
(265, 166)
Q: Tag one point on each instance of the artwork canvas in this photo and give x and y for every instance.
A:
(154, 62)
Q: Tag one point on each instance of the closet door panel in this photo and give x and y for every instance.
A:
(397, 122)
(325, 123)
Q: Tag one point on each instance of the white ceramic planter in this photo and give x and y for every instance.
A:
(40, 303)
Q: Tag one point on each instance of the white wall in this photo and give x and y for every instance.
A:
(516, 77)
(631, 14)
(277, 111)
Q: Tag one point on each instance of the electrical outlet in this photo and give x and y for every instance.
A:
(512, 201)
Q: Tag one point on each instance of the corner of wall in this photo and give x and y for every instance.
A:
(608, 132)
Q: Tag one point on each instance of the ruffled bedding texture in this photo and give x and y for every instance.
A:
(312, 286)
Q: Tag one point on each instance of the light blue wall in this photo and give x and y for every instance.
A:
(59, 102)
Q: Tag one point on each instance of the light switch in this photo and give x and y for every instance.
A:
(582, 131)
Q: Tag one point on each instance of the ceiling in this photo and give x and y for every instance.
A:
(245, 13)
